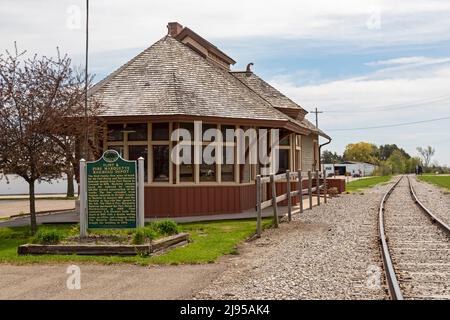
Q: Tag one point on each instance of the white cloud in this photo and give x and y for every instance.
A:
(42, 25)
(395, 97)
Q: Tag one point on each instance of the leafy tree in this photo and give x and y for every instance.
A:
(411, 164)
(397, 162)
(330, 157)
(387, 150)
(362, 152)
(426, 153)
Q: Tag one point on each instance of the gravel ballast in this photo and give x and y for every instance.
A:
(419, 249)
(330, 252)
(436, 199)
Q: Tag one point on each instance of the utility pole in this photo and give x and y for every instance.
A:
(86, 137)
(316, 112)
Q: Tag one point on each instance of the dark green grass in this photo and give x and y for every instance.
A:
(366, 183)
(440, 181)
(209, 241)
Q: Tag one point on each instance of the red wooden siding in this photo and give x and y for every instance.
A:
(183, 201)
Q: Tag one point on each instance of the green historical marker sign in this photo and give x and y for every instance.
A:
(111, 192)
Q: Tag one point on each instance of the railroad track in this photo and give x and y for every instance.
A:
(415, 246)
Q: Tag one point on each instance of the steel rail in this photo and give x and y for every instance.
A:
(432, 216)
(391, 278)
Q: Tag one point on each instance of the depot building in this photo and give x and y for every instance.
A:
(183, 79)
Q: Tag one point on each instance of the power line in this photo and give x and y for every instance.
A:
(397, 106)
(390, 125)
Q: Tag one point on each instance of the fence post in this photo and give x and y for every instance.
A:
(310, 188)
(274, 200)
(325, 189)
(83, 204)
(288, 188)
(300, 190)
(318, 187)
(258, 206)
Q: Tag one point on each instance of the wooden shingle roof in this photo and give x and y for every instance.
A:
(275, 97)
(169, 78)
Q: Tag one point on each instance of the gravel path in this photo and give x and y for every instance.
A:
(330, 252)
(419, 249)
(436, 199)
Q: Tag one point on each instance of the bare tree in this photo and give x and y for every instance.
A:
(426, 153)
(40, 105)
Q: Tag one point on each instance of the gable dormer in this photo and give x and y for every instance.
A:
(200, 45)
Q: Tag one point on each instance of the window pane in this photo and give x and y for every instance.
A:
(186, 172)
(299, 141)
(206, 127)
(135, 152)
(187, 169)
(115, 132)
(119, 149)
(227, 171)
(208, 171)
(160, 163)
(189, 127)
(245, 172)
(284, 138)
(224, 132)
(160, 131)
(137, 131)
(283, 161)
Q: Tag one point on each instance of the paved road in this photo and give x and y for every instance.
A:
(106, 282)
(13, 207)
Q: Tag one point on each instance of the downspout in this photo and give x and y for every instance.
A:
(320, 151)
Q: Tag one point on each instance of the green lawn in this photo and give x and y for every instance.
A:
(366, 183)
(440, 181)
(209, 241)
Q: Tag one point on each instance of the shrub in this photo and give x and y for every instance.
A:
(167, 227)
(150, 233)
(139, 236)
(143, 234)
(48, 236)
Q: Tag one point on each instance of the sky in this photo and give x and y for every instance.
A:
(378, 69)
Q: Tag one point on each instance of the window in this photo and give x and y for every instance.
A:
(298, 152)
(206, 127)
(283, 163)
(161, 163)
(160, 131)
(207, 171)
(228, 164)
(187, 169)
(135, 152)
(119, 149)
(284, 138)
(115, 132)
(137, 131)
(189, 127)
(224, 132)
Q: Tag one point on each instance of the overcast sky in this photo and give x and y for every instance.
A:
(364, 63)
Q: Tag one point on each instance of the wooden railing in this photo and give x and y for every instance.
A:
(300, 192)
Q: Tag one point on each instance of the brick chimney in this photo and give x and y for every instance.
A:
(174, 28)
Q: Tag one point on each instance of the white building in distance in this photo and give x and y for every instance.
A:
(352, 168)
